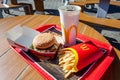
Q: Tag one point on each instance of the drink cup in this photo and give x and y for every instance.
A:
(69, 18)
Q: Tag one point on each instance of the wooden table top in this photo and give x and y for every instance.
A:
(12, 66)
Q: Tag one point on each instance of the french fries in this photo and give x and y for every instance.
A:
(66, 61)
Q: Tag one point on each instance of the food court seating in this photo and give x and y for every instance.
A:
(27, 7)
(82, 3)
(6, 7)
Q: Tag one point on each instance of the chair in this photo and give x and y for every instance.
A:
(6, 7)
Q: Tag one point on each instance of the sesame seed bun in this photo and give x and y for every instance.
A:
(44, 40)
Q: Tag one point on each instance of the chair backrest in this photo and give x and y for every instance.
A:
(14, 2)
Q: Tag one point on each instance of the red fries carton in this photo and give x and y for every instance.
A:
(85, 54)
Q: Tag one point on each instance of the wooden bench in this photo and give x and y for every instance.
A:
(111, 23)
(39, 5)
(89, 2)
(6, 8)
(103, 25)
(27, 7)
(14, 5)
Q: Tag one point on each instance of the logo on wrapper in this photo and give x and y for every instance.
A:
(85, 54)
(84, 47)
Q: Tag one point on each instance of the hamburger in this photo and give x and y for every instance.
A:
(45, 42)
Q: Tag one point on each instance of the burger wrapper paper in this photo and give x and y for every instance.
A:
(22, 37)
(85, 54)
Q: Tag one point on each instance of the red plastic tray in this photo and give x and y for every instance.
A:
(99, 67)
